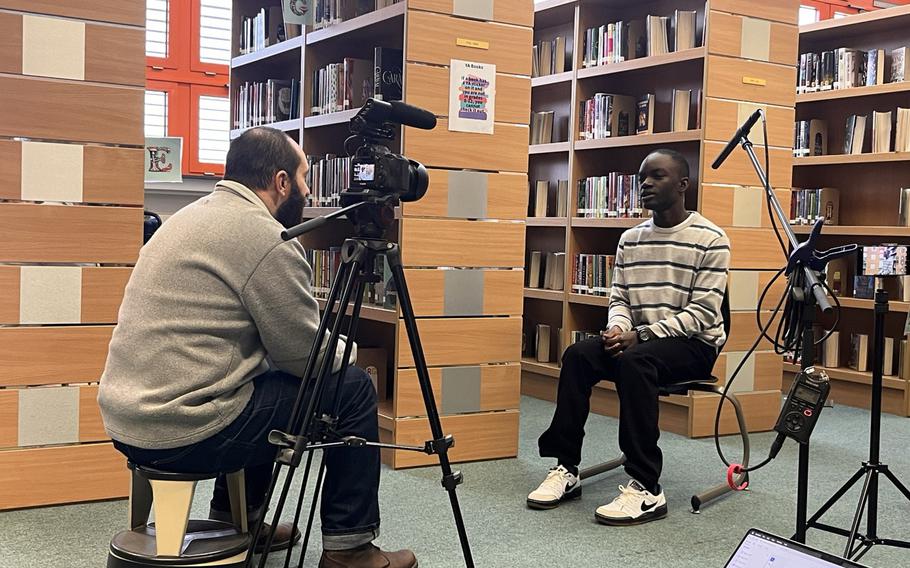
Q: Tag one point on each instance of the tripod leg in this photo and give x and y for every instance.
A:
(317, 494)
(306, 536)
(836, 497)
(858, 517)
(450, 481)
(897, 483)
(306, 399)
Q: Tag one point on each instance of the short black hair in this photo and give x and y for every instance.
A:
(681, 162)
(258, 154)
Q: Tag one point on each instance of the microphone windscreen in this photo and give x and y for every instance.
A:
(409, 115)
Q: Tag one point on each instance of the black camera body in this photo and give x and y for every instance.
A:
(376, 169)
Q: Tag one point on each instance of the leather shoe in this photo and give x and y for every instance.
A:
(367, 556)
(286, 535)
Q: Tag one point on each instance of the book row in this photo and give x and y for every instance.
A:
(610, 196)
(266, 102)
(348, 84)
(325, 264)
(615, 42)
(845, 68)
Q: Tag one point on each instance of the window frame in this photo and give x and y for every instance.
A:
(195, 166)
(184, 81)
(195, 63)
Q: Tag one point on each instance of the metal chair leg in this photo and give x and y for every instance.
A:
(712, 493)
(602, 467)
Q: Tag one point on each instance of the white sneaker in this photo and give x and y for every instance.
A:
(635, 505)
(560, 485)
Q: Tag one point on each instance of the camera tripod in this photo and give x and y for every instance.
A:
(309, 429)
(859, 544)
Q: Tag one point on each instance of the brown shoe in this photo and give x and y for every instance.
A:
(367, 556)
(286, 535)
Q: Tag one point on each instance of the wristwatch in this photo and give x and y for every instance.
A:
(644, 333)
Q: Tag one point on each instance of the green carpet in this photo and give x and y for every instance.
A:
(504, 533)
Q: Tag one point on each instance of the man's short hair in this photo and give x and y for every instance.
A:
(258, 154)
(681, 162)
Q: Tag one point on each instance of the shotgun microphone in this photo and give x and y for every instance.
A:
(742, 131)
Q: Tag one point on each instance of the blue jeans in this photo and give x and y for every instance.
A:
(350, 495)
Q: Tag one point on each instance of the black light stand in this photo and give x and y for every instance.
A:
(308, 429)
(859, 544)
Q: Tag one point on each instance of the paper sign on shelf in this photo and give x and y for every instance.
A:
(164, 159)
(472, 96)
(298, 11)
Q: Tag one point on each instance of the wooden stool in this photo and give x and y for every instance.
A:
(174, 539)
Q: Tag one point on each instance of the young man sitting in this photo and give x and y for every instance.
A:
(664, 325)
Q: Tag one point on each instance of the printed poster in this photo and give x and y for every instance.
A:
(472, 97)
(164, 159)
(298, 11)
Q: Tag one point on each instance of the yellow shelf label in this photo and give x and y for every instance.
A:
(475, 43)
(755, 81)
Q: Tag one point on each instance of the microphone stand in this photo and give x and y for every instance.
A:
(803, 264)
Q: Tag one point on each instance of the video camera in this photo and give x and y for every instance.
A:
(377, 174)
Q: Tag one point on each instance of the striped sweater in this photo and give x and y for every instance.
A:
(672, 280)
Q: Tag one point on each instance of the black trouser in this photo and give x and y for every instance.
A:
(637, 374)
(350, 494)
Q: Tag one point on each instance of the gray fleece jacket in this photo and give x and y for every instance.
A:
(213, 294)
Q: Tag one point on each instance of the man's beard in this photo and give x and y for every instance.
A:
(290, 213)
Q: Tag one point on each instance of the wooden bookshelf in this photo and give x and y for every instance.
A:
(855, 231)
(717, 69)
(659, 138)
(551, 148)
(543, 294)
(270, 54)
(849, 159)
(467, 325)
(854, 93)
(289, 126)
(554, 79)
(71, 214)
(547, 221)
(869, 183)
(696, 55)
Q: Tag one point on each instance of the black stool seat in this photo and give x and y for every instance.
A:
(686, 386)
(161, 475)
(205, 542)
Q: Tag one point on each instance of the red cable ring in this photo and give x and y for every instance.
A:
(735, 469)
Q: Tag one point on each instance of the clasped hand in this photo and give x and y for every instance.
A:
(616, 340)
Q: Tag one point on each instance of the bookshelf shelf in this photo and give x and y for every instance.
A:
(867, 24)
(538, 368)
(659, 138)
(676, 57)
(860, 377)
(864, 304)
(371, 313)
(589, 300)
(843, 159)
(380, 23)
(331, 119)
(855, 231)
(552, 148)
(564, 78)
(856, 92)
(267, 53)
(547, 221)
(284, 126)
(542, 294)
(624, 223)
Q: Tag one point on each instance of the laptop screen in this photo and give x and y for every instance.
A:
(762, 550)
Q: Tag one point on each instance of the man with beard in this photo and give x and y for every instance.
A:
(664, 325)
(216, 325)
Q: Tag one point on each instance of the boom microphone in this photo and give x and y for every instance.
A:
(409, 115)
(743, 131)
